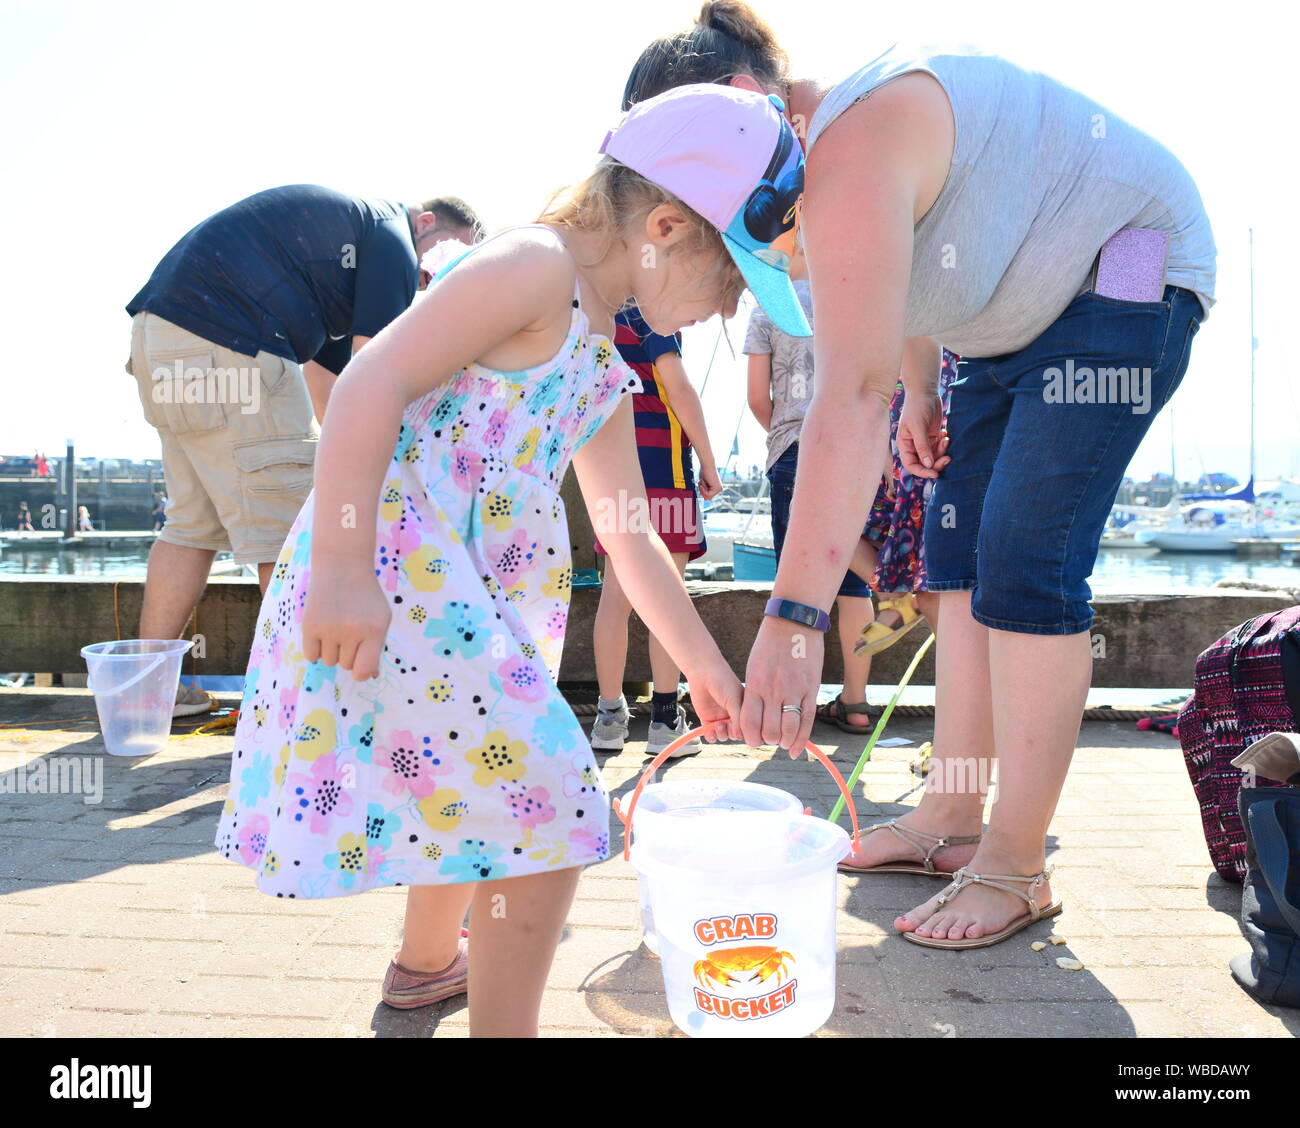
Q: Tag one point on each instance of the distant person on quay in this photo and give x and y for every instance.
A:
(237, 339)
(25, 518)
(159, 513)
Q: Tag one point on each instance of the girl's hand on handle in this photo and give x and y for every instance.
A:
(716, 697)
(345, 622)
(922, 441)
(784, 668)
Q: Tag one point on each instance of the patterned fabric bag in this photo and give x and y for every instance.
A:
(1246, 685)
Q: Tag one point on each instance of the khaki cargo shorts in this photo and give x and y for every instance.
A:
(238, 439)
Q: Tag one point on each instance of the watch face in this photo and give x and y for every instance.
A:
(797, 613)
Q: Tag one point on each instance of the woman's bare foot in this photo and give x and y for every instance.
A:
(881, 847)
(977, 910)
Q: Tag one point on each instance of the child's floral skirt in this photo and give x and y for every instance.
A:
(897, 516)
(461, 761)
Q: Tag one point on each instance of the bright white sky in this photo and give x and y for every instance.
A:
(127, 123)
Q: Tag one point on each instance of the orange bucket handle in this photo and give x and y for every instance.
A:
(691, 734)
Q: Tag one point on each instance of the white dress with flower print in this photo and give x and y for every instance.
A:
(461, 761)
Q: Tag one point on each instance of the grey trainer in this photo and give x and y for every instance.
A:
(662, 735)
(609, 731)
(191, 701)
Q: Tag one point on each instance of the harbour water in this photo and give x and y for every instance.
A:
(1117, 573)
(120, 563)
(1132, 572)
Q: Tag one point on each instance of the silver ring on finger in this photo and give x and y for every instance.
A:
(797, 709)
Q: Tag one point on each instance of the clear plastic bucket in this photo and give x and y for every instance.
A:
(746, 922)
(134, 681)
(687, 800)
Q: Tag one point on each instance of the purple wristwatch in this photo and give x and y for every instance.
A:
(798, 613)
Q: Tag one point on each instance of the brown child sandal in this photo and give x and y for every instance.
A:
(917, 839)
(962, 878)
(837, 713)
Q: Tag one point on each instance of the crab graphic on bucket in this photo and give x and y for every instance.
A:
(717, 967)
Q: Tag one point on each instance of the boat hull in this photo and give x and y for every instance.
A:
(1125, 544)
(1172, 541)
(1219, 539)
(752, 563)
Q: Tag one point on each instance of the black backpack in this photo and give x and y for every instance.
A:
(1270, 897)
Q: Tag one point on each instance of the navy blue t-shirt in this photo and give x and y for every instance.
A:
(297, 271)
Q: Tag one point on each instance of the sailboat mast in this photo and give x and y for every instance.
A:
(1173, 456)
(1253, 343)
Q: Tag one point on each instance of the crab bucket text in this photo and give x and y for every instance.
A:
(726, 968)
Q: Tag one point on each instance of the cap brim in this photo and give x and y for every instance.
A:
(772, 289)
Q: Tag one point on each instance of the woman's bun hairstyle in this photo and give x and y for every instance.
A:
(728, 39)
(738, 20)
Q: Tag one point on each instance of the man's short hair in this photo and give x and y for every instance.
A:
(451, 211)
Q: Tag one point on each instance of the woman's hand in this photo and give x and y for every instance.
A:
(785, 668)
(346, 619)
(922, 440)
(716, 696)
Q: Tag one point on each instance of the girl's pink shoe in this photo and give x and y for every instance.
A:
(406, 989)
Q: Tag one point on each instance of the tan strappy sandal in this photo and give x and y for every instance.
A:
(963, 877)
(917, 839)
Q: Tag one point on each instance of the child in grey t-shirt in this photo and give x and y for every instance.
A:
(789, 384)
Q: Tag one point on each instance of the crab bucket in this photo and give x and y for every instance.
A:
(744, 912)
(687, 801)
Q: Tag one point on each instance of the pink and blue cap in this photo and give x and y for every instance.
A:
(731, 156)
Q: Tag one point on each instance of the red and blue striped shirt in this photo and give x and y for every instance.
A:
(662, 445)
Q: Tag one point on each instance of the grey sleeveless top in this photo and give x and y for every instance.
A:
(1041, 177)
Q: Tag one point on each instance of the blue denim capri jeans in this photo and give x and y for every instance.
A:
(1040, 441)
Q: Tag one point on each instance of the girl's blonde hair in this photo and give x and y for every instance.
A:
(612, 200)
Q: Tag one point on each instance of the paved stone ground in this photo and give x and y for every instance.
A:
(119, 918)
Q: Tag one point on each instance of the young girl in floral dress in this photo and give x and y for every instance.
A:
(401, 724)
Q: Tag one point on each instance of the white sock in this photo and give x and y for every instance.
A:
(612, 708)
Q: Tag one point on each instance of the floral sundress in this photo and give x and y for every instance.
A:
(461, 761)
